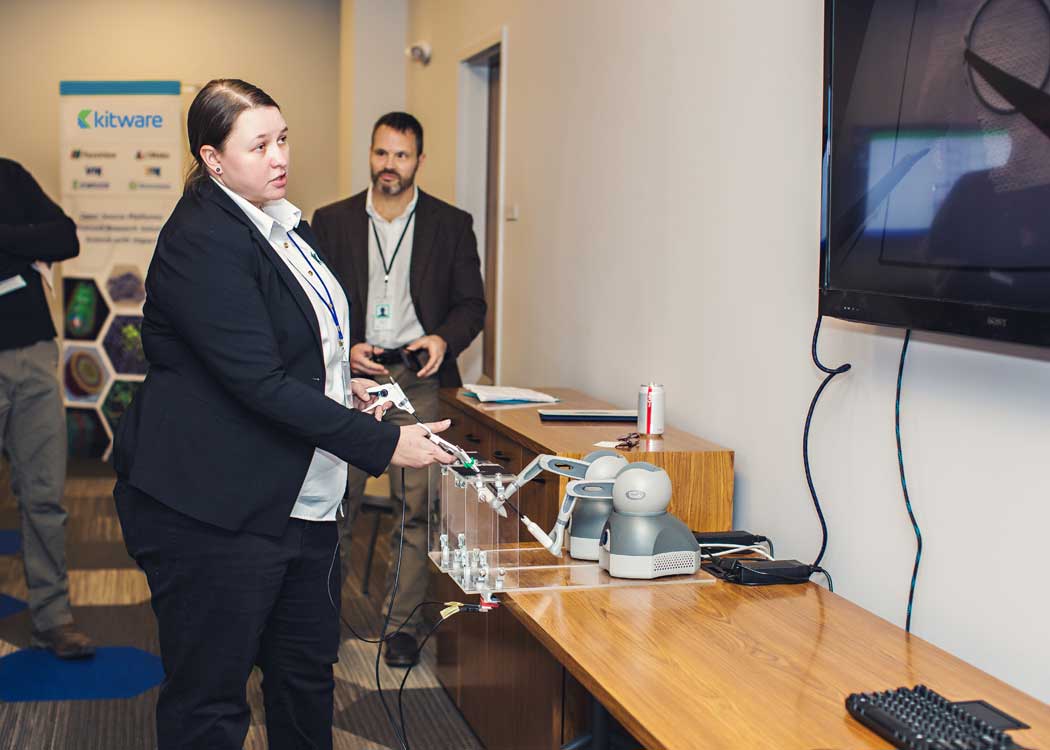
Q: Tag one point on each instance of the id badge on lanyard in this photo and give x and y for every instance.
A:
(383, 314)
(348, 396)
(382, 309)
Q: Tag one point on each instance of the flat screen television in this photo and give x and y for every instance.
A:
(936, 174)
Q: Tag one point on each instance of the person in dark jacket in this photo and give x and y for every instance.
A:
(232, 459)
(34, 233)
(410, 263)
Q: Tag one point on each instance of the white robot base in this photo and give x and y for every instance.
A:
(583, 549)
(646, 567)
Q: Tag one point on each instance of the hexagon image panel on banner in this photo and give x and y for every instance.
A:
(125, 286)
(85, 309)
(118, 400)
(123, 344)
(84, 374)
(87, 435)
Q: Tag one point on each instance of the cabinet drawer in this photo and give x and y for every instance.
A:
(455, 433)
(476, 438)
(468, 434)
(507, 453)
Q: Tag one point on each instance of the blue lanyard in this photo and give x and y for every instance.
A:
(328, 303)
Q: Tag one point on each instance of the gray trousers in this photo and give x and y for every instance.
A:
(412, 584)
(33, 437)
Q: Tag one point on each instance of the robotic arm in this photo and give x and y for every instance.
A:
(566, 467)
(588, 489)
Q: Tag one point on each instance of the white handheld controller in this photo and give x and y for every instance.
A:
(453, 450)
(390, 393)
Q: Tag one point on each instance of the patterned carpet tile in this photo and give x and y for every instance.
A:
(111, 603)
(86, 587)
(31, 675)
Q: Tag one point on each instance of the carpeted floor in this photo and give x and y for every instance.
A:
(111, 603)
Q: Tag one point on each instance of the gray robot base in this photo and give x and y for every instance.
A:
(647, 546)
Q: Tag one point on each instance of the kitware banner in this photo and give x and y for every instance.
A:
(121, 175)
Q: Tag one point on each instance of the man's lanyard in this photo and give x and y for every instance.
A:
(375, 233)
(328, 303)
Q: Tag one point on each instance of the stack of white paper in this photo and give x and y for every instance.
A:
(499, 394)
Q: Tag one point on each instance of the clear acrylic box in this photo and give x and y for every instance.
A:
(484, 551)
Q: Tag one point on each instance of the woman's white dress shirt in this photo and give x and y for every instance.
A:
(325, 482)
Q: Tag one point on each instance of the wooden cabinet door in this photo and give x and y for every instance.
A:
(524, 703)
(447, 636)
(477, 672)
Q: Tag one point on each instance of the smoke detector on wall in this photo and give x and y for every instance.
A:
(420, 52)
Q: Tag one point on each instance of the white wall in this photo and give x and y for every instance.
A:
(371, 80)
(379, 73)
(291, 50)
(665, 160)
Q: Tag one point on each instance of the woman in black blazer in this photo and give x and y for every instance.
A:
(231, 461)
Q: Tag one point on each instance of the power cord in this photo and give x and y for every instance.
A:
(732, 571)
(401, 688)
(734, 538)
(904, 483)
(831, 373)
(386, 620)
(733, 549)
(450, 608)
(383, 637)
(358, 636)
(453, 608)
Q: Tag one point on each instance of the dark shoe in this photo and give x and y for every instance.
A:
(65, 642)
(401, 651)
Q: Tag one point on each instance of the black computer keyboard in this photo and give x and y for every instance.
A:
(920, 719)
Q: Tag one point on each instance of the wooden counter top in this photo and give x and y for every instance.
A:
(722, 666)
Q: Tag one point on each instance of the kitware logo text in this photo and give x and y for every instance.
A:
(92, 118)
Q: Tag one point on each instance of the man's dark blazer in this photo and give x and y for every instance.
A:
(226, 423)
(444, 279)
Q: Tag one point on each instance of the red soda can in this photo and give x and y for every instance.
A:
(651, 409)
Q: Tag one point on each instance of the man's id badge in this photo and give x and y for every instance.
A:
(383, 320)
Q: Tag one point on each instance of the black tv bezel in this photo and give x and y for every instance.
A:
(1018, 325)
